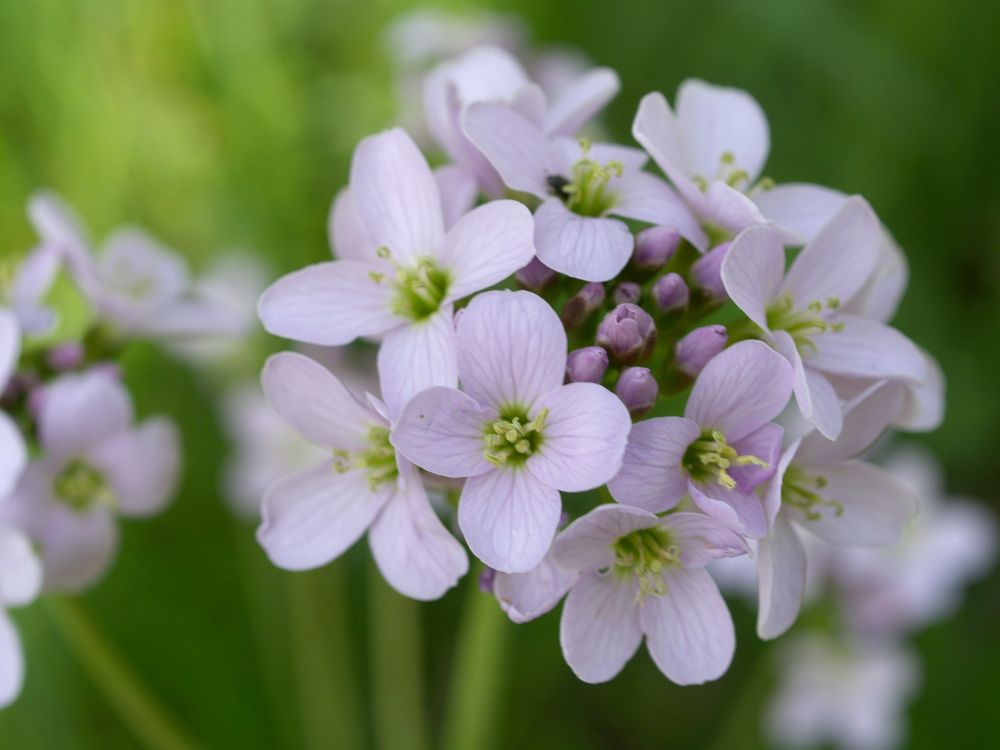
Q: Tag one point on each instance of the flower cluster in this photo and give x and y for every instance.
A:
(668, 294)
(73, 457)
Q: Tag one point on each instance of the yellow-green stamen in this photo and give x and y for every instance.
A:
(513, 438)
(803, 324)
(645, 554)
(799, 490)
(710, 457)
(378, 460)
(586, 192)
(82, 487)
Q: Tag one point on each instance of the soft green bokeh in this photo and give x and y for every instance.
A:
(230, 123)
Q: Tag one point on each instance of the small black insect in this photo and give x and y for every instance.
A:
(557, 184)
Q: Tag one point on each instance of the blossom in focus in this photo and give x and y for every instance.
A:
(313, 516)
(94, 465)
(713, 149)
(641, 575)
(723, 447)
(13, 453)
(20, 582)
(515, 432)
(406, 292)
(800, 313)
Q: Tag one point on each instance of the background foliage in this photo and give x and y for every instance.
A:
(231, 123)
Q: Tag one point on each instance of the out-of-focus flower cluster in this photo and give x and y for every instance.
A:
(702, 357)
(73, 456)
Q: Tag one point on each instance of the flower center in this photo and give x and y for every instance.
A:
(420, 288)
(733, 175)
(512, 439)
(586, 193)
(799, 490)
(709, 458)
(802, 325)
(80, 486)
(378, 461)
(645, 554)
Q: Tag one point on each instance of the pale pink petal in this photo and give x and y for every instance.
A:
(923, 410)
(509, 518)
(840, 258)
(348, 238)
(583, 438)
(11, 661)
(866, 417)
(396, 196)
(729, 209)
(525, 596)
(79, 411)
(765, 444)
(588, 543)
(781, 579)
(651, 476)
(772, 492)
(487, 245)
(13, 454)
(741, 511)
(314, 516)
(582, 247)
(867, 505)
(511, 349)
(441, 430)
(645, 197)
(865, 348)
(689, 631)
(415, 553)
(515, 146)
(77, 548)
(10, 345)
(331, 303)
(587, 96)
(458, 189)
(702, 539)
(816, 398)
(879, 298)
(417, 356)
(800, 207)
(312, 400)
(659, 132)
(740, 390)
(142, 466)
(20, 569)
(599, 629)
(752, 271)
(715, 120)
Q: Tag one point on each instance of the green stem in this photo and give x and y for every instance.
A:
(477, 678)
(396, 669)
(124, 690)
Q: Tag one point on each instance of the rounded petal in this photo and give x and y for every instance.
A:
(583, 439)
(645, 197)
(396, 196)
(651, 476)
(814, 394)
(584, 98)
(702, 539)
(582, 247)
(752, 271)
(11, 662)
(781, 579)
(509, 518)
(312, 400)
(441, 430)
(740, 390)
(314, 516)
(658, 130)
(923, 410)
(415, 357)
(729, 209)
(79, 411)
(587, 543)
(866, 348)
(415, 553)
(511, 349)
(20, 569)
(13, 454)
(331, 303)
(348, 238)
(599, 630)
(525, 596)
(866, 417)
(458, 189)
(487, 245)
(689, 631)
(142, 466)
(765, 444)
(77, 548)
(799, 207)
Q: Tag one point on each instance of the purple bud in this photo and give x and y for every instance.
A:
(66, 356)
(693, 352)
(582, 304)
(36, 400)
(486, 580)
(707, 272)
(627, 291)
(586, 365)
(637, 389)
(628, 334)
(671, 293)
(535, 276)
(654, 247)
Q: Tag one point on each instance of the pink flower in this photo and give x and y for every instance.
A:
(721, 449)
(644, 576)
(406, 292)
(311, 517)
(515, 431)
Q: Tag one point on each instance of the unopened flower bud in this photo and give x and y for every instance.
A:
(627, 291)
(707, 272)
(66, 356)
(586, 365)
(671, 293)
(534, 276)
(628, 334)
(486, 579)
(637, 389)
(693, 352)
(654, 247)
(582, 304)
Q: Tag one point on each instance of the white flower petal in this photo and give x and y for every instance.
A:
(10, 345)
(525, 596)
(487, 245)
(11, 661)
(645, 197)
(415, 357)
(781, 579)
(588, 543)
(584, 98)
(77, 548)
(866, 417)
(651, 476)
(20, 569)
(348, 238)
(815, 396)
(79, 411)
(13, 454)
(599, 630)
(865, 348)
(800, 207)
(658, 130)
(753, 270)
(582, 247)
(142, 466)
(702, 539)
(740, 511)
(458, 189)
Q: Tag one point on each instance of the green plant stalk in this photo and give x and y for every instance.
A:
(477, 677)
(138, 708)
(398, 705)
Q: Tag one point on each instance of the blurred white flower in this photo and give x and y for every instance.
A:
(20, 581)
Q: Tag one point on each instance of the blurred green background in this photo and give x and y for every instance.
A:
(231, 123)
